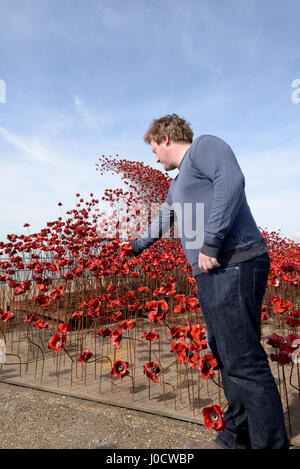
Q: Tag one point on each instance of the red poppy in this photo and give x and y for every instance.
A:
(42, 300)
(177, 332)
(41, 324)
(111, 288)
(264, 310)
(290, 342)
(115, 317)
(213, 417)
(159, 312)
(57, 342)
(77, 315)
(165, 289)
(127, 323)
(152, 335)
(206, 366)
(31, 317)
(181, 348)
(151, 370)
(9, 316)
(116, 336)
(193, 354)
(120, 369)
(196, 332)
(282, 358)
(58, 291)
(104, 332)
(125, 250)
(63, 327)
(136, 306)
(291, 266)
(85, 356)
(276, 340)
(143, 289)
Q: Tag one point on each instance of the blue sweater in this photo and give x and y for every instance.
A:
(207, 198)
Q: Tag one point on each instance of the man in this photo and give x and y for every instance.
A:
(230, 266)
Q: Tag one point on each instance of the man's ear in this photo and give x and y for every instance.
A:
(166, 140)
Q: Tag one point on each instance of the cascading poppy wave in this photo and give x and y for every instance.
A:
(81, 246)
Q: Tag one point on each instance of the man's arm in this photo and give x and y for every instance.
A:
(162, 223)
(215, 159)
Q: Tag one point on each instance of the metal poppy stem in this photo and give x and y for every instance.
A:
(287, 402)
(43, 362)
(290, 379)
(219, 385)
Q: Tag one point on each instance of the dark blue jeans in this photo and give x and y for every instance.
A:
(230, 299)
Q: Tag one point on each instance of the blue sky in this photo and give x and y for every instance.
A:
(85, 78)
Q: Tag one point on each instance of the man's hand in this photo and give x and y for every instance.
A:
(207, 263)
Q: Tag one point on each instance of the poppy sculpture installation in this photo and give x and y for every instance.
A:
(78, 312)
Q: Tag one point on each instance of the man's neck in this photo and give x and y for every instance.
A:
(181, 152)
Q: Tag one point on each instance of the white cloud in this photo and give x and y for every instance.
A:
(92, 118)
(31, 147)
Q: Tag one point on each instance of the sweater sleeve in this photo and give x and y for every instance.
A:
(162, 223)
(216, 161)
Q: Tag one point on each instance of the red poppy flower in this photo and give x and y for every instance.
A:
(196, 332)
(111, 288)
(180, 347)
(143, 289)
(151, 370)
(193, 354)
(290, 342)
(264, 316)
(104, 332)
(77, 315)
(291, 266)
(41, 324)
(120, 369)
(276, 340)
(152, 335)
(127, 323)
(9, 316)
(63, 328)
(115, 317)
(213, 417)
(116, 336)
(57, 342)
(177, 332)
(159, 312)
(206, 366)
(136, 306)
(125, 250)
(42, 300)
(31, 317)
(85, 356)
(58, 291)
(282, 358)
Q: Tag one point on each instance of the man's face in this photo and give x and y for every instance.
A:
(162, 152)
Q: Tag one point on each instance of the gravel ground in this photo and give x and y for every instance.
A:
(33, 419)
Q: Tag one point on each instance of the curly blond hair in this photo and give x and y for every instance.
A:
(171, 125)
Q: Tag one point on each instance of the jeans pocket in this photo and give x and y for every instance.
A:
(260, 278)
